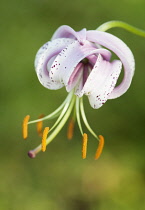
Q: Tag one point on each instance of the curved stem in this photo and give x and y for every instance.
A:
(112, 24)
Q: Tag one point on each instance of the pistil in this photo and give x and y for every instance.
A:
(58, 125)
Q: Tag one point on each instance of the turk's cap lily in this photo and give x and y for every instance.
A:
(82, 61)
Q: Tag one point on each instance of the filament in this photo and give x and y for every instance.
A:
(56, 112)
(25, 126)
(32, 153)
(85, 119)
(100, 147)
(78, 114)
(84, 145)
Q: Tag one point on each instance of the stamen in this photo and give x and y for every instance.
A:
(45, 133)
(70, 129)
(100, 147)
(40, 125)
(25, 126)
(85, 119)
(84, 146)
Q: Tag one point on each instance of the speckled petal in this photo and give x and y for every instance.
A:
(101, 81)
(66, 62)
(75, 77)
(45, 56)
(122, 51)
(67, 32)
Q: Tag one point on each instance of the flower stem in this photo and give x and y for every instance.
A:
(112, 24)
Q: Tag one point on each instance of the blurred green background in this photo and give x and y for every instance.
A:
(59, 179)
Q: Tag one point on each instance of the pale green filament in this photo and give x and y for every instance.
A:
(56, 112)
(62, 113)
(78, 114)
(112, 24)
(59, 127)
(85, 119)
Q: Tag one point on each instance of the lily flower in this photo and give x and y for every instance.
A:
(81, 62)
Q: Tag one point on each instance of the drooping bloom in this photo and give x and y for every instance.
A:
(81, 62)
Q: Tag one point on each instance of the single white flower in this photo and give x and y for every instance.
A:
(81, 61)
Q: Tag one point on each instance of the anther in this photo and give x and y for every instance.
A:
(84, 145)
(40, 125)
(45, 133)
(25, 126)
(70, 129)
(100, 147)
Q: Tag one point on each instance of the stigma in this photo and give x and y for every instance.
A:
(72, 110)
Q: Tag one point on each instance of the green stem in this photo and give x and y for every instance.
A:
(112, 24)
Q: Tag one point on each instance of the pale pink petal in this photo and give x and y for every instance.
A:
(101, 81)
(67, 32)
(122, 51)
(75, 77)
(45, 57)
(66, 62)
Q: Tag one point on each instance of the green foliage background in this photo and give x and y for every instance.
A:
(59, 179)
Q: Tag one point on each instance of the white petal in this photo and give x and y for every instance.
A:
(101, 81)
(66, 62)
(75, 77)
(122, 51)
(44, 57)
(68, 32)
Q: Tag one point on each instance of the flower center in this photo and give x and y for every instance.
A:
(85, 61)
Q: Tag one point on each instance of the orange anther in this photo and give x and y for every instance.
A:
(40, 125)
(44, 136)
(25, 126)
(100, 147)
(70, 129)
(84, 145)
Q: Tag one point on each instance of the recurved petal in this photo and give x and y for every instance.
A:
(101, 81)
(75, 77)
(65, 63)
(122, 51)
(67, 32)
(45, 56)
